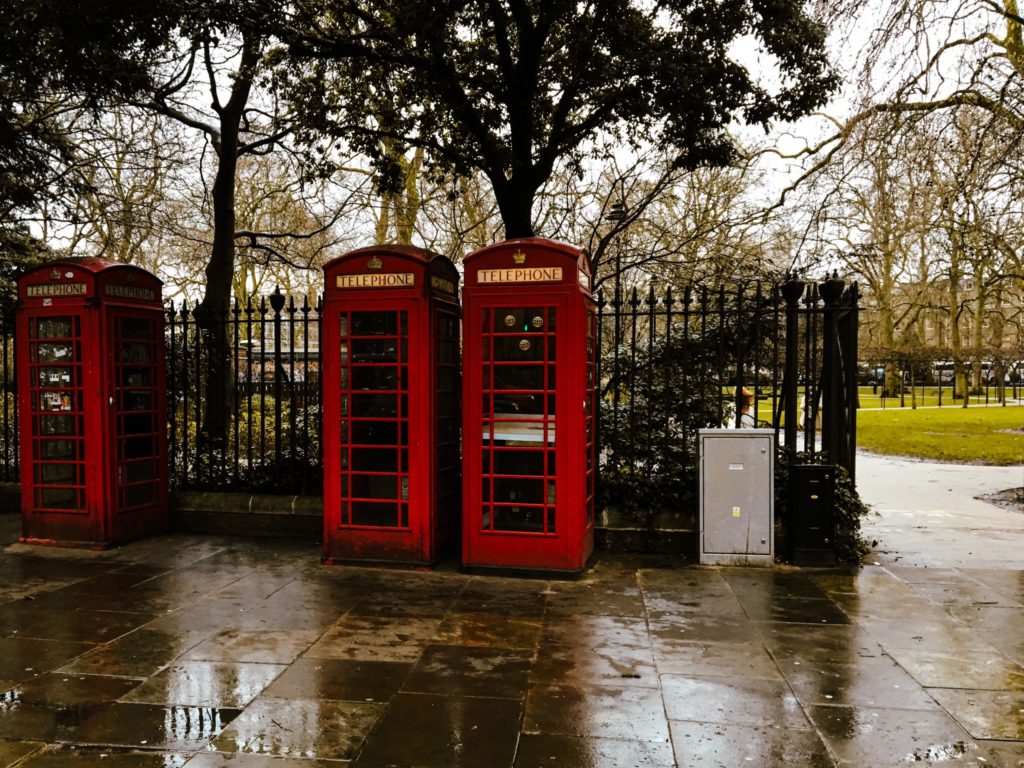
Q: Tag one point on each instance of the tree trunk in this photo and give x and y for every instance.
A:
(515, 203)
(220, 270)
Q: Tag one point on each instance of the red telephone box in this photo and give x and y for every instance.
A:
(390, 357)
(90, 336)
(528, 408)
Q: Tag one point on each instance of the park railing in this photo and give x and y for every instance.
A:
(677, 360)
(672, 361)
(266, 437)
(9, 445)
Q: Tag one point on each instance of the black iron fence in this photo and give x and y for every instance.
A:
(672, 361)
(754, 354)
(9, 445)
(269, 438)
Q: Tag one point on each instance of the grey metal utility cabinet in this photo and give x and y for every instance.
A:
(737, 490)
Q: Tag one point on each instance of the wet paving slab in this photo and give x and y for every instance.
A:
(431, 731)
(23, 658)
(626, 713)
(254, 646)
(13, 751)
(720, 745)
(301, 728)
(542, 750)
(138, 654)
(340, 679)
(205, 684)
(108, 757)
(206, 652)
(985, 714)
(868, 736)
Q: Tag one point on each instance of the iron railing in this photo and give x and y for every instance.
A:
(682, 360)
(271, 439)
(670, 362)
(9, 445)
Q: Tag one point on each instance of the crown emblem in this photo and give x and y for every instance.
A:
(519, 257)
(55, 274)
(374, 263)
(130, 277)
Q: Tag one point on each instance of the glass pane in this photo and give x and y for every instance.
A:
(136, 377)
(139, 471)
(55, 328)
(374, 350)
(518, 319)
(57, 449)
(445, 379)
(56, 401)
(374, 405)
(529, 519)
(374, 324)
(377, 377)
(518, 490)
(57, 425)
(137, 424)
(54, 352)
(375, 432)
(135, 353)
(53, 376)
(445, 353)
(58, 498)
(518, 463)
(515, 405)
(137, 401)
(139, 447)
(344, 325)
(374, 487)
(136, 328)
(374, 460)
(58, 474)
(137, 495)
(518, 348)
(375, 513)
(518, 377)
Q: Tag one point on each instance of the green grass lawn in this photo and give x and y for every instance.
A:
(981, 435)
(926, 396)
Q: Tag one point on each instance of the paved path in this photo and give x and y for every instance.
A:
(209, 652)
(926, 513)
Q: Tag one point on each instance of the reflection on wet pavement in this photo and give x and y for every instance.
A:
(211, 653)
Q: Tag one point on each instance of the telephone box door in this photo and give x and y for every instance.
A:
(137, 433)
(371, 387)
(54, 426)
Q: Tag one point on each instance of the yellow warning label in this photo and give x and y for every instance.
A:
(735, 511)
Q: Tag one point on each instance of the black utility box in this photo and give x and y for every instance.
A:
(813, 513)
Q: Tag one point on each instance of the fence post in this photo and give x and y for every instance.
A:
(277, 304)
(831, 290)
(792, 290)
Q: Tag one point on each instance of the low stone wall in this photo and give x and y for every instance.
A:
(301, 517)
(247, 514)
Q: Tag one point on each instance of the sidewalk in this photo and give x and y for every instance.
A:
(213, 653)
